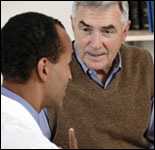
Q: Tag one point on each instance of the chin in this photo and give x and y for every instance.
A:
(96, 66)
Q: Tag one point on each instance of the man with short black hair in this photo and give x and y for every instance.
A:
(36, 53)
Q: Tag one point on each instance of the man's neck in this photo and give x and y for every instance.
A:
(27, 92)
(101, 75)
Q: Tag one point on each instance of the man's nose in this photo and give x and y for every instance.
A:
(96, 41)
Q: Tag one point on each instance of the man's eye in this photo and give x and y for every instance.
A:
(108, 31)
(86, 30)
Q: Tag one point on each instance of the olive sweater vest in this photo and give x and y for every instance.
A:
(115, 117)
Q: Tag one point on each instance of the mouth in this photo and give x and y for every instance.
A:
(96, 55)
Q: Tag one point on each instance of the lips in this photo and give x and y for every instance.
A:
(95, 55)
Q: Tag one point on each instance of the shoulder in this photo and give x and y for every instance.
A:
(19, 128)
(138, 64)
(16, 115)
(13, 108)
(134, 55)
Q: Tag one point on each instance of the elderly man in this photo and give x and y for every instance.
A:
(36, 53)
(110, 99)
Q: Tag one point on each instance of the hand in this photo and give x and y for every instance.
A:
(72, 139)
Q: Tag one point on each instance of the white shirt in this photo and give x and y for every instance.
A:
(19, 129)
(40, 117)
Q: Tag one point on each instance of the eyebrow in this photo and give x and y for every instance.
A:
(109, 27)
(82, 23)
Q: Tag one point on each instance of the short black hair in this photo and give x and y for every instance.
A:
(25, 39)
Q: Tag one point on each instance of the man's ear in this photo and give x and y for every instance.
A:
(43, 69)
(126, 29)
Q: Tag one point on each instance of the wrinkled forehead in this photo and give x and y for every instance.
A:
(99, 16)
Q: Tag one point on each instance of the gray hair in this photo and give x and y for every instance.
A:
(123, 5)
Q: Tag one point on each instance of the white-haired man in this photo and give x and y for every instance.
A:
(110, 100)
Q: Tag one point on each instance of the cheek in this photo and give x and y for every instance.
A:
(114, 43)
(81, 39)
(60, 75)
(83, 44)
(56, 77)
(63, 75)
(113, 46)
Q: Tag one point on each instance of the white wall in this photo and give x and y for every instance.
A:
(58, 9)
